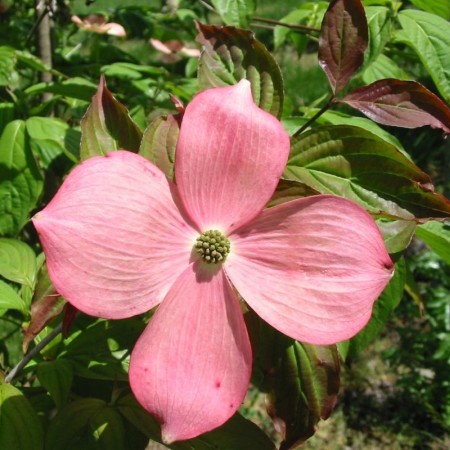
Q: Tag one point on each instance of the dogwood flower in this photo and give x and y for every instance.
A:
(120, 238)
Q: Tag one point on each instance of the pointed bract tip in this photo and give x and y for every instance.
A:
(166, 437)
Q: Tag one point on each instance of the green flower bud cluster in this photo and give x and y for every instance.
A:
(212, 246)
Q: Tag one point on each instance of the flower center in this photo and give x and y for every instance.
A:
(212, 246)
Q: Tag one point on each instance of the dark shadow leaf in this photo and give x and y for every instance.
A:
(231, 54)
(107, 126)
(399, 103)
(237, 433)
(302, 380)
(343, 40)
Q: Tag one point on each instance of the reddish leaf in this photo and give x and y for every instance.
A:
(405, 104)
(231, 54)
(343, 39)
(160, 140)
(47, 304)
(107, 126)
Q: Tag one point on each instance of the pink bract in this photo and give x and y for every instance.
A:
(119, 240)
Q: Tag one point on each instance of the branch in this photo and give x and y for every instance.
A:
(33, 352)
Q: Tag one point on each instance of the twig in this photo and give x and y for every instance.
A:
(207, 5)
(315, 117)
(33, 352)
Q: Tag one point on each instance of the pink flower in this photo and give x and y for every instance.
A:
(97, 24)
(120, 239)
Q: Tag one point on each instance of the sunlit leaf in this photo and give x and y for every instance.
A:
(10, 299)
(77, 87)
(343, 40)
(354, 163)
(382, 311)
(56, 376)
(439, 7)
(397, 234)
(236, 434)
(437, 236)
(6, 115)
(7, 65)
(17, 262)
(399, 103)
(21, 182)
(49, 138)
(20, 427)
(160, 140)
(46, 305)
(429, 36)
(379, 21)
(383, 67)
(235, 12)
(107, 126)
(231, 54)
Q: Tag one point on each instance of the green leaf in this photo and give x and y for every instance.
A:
(437, 236)
(129, 71)
(48, 138)
(429, 36)
(21, 182)
(379, 21)
(17, 262)
(108, 430)
(7, 65)
(6, 115)
(86, 424)
(353, 163)
(78, 88)
(302, 380)
(382, 311)
(20, 427)
(108, 359)
(343, 41)
(383, 67)
(32, 61)
(231, 54)
(288, 190)
(340, 118)
(236, 434)
(397, 234)
(439, 7)
(235, 12)
(56, 376)
(107, 126)
(280, 32)
(10, 299)
(159, 142)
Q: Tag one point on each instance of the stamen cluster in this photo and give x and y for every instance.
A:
(212, 246)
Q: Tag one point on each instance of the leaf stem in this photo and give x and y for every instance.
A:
(287, 25)
(33, 352)
(315, 116)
